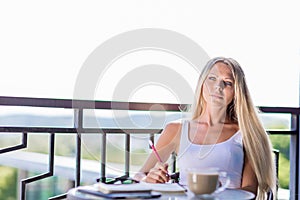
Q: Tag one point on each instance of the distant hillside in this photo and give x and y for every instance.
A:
(136, 120)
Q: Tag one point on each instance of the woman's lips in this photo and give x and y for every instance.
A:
(216, 96)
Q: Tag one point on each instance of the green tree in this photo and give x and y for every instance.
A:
(8, 183)
(282, 143)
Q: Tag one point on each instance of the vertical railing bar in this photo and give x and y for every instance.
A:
(127, 154)
(297, 159)
(51, 149)
(173, 162)
(52, 153)
(78, 159)
(151, 137)
(294, 122)
(294, 160)
(24, 139)
(276, 154)
(24, 182)
(103, 158)
(78, 123)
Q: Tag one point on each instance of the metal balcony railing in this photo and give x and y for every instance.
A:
(78, 106)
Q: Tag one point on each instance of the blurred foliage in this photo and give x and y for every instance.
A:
(8, 186)
(284, 172)
(282, 143)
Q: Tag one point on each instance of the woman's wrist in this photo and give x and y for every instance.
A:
(140, 176)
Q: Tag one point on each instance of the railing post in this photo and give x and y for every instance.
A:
(103, 158)
(78, 124)
(294, 160)
(127, 154)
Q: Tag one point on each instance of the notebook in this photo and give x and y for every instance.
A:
(165, 187)
(91, 190)
(140, 187)
(118, 188)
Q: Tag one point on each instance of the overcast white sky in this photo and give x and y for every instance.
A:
(43, 44)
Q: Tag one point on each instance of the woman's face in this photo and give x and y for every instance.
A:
(218, 88)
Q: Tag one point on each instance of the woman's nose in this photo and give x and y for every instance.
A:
(220, 85)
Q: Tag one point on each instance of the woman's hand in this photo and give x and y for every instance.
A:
(158, 174)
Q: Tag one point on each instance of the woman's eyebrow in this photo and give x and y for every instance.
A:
(211, 73)
(230, 78)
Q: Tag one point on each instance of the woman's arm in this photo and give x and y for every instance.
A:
(249, 180)
(153, 171)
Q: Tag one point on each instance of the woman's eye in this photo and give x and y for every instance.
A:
(212, 78)
(228, 83)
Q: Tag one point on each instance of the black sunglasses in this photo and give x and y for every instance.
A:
(123, 179)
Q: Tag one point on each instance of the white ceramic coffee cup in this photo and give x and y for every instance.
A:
(206, 180)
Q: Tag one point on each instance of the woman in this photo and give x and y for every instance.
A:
(224, 132)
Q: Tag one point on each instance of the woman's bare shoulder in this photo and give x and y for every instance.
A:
(170, 136)
(174, 125)
(173, 129)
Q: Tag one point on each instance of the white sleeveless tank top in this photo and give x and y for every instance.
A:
(228, 156)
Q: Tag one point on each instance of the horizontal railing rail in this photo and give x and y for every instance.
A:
(79, 105)
(86, 104)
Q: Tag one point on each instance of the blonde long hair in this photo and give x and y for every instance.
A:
(241, 110)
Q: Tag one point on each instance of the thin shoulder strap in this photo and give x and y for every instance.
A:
(184, 141)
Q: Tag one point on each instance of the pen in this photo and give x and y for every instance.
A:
(156, 154)
(154, 150)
